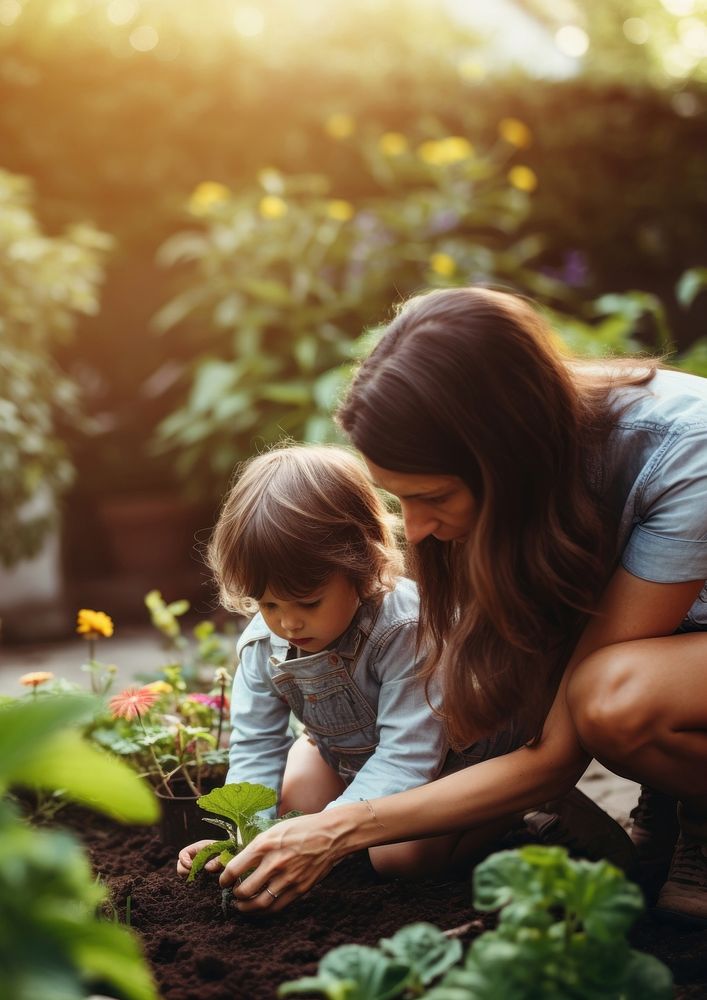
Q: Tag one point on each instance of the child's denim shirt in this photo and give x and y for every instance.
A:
(362, 703)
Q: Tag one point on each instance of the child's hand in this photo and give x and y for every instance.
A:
(187, 854)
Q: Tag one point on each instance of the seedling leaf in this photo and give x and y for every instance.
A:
(354, 972)
(333, 989)
(239, 802)
(204, 855)
(424, 948)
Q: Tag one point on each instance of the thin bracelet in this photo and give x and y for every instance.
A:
(373, 813)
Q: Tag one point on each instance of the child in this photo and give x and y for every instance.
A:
(303, 540)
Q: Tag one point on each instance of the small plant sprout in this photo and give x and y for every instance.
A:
(401, 966)
(237, 808)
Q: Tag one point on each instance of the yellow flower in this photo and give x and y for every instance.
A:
(93, 623)
(36, 677)
(523, 178)
(340, 125)
(392, 144)
(515, 132)
(340, 210)
(443, 264)
(205, 195)
(159, 687)
(442, 152)
(272, 207)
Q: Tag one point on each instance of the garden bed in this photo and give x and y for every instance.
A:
(198, 954)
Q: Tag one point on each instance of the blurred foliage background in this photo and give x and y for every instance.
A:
(255, 182)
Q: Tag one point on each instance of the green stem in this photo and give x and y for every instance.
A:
(182, 765)
(220, 715)
(163, 776)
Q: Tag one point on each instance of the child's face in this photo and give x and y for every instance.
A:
(314, 621)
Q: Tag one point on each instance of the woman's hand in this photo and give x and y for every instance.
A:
(187, 855)
(289, 859)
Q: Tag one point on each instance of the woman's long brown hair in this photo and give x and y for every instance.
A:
(469, 382)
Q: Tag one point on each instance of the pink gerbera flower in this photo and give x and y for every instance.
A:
(215, 701)
(132, 702)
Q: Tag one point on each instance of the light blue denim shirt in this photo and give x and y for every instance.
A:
(654, 480)
(363, 703)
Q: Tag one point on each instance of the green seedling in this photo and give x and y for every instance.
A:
(239, 809)
(561, 935)
(401, 966)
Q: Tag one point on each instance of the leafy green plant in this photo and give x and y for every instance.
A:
(238, 808)
(633, 322)
(286, 275)
(46, 283)
(561, 935)
(169, 732)
(401, 965)
(52, 943)
(199, 656)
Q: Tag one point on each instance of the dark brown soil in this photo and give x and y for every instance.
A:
(198, 954)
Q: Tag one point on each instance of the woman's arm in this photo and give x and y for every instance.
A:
(293, 856)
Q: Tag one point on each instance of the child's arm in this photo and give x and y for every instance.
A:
(412, 743)
(259, 735)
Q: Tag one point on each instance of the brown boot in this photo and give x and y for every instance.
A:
(654, 832)
(683, 897)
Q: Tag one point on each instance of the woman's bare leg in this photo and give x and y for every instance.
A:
(641, 709)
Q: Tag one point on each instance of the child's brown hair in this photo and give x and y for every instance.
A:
(296, 515)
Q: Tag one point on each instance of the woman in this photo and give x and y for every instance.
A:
(556, 513)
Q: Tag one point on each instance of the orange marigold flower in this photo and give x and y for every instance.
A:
(93, 623)
(36, 677)
(131, 702)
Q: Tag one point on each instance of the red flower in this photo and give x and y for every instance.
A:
(132, 702)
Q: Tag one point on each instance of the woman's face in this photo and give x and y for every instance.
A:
(441, 506)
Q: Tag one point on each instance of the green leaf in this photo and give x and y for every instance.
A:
(646, 978)
(333, 989)
(204, 855)
(239, 802)
(89, 776)
(511, 875)
(603, 899)
(26, 725)
(425, 949)
(107, 951)
(272, 292)
(691, 283)
(376, 976)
